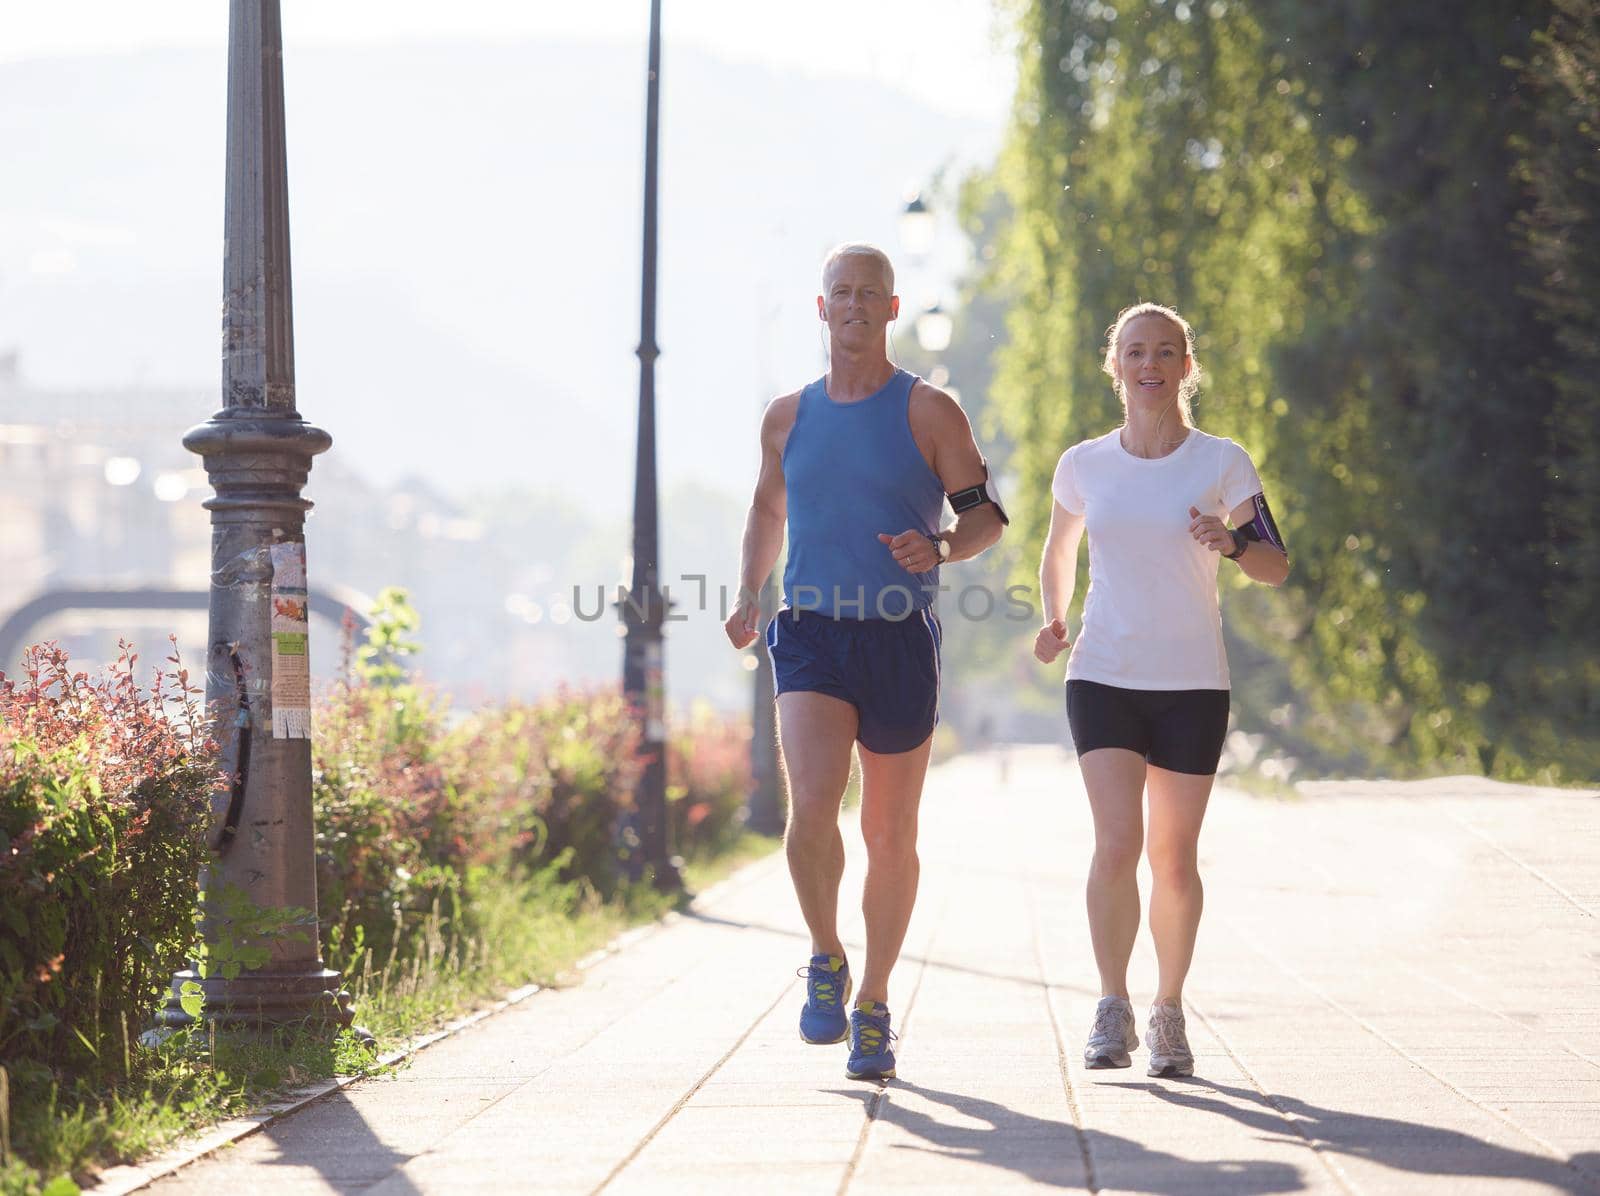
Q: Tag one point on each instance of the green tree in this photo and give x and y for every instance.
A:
(1347, 201)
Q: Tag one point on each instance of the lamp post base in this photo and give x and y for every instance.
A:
(300, 998)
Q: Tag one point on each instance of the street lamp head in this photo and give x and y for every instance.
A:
(122, 471)
(934, 329)
(917, 226)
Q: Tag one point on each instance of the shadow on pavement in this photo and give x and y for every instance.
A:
(1400, 1145)
(337, 1143)
(1049, 1152)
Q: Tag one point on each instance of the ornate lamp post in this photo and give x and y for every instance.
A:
(644, 611)
(261, 891)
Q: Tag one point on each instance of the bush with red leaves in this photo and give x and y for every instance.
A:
(104, 808)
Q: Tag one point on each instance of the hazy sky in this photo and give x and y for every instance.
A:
(942, 52)
(465, 192)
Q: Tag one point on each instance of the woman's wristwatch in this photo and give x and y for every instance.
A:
(1240, 543)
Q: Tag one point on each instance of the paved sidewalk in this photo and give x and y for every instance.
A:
(1397, 989)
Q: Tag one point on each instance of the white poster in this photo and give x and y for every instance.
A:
(291, 657)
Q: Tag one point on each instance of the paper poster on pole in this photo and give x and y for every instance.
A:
(655, 705)
(291, 656)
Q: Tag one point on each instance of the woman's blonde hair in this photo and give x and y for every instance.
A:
(1191, 380)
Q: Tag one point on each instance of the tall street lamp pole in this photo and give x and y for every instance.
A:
(261, 888)
(644, 611)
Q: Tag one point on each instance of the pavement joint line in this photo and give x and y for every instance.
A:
(1428, 978)
(1553, 1151)
(132, 1177)
(689, 1095)
(879, 1098)
(1330, 1164)
(1090, 1183)
(1520, 863)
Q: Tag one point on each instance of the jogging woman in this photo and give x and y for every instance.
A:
(1147, 680)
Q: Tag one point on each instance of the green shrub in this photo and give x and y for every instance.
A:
(389, 837)
(455, 857)
(558, 776)
(408, 807)
(104, 807)
(708, 782)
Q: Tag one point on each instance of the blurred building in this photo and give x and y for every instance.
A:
(97, 491)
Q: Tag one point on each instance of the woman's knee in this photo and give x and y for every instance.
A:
(1174, 865)
(1117, 854)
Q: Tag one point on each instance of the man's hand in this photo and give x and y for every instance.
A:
(913, 550)
(742, 623)
(1210, 532)
(1051, 641)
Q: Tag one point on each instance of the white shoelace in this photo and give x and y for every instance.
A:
(1110, 1021)
(1166, 1032)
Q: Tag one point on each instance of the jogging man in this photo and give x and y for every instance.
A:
(859, 463)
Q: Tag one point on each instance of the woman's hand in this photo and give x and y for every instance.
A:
(1210, 532)
(1051, 641)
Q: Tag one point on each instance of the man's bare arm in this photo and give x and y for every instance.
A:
(959, 464)
(763, 525)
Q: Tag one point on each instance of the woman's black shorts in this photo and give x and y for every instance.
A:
(1180, 730)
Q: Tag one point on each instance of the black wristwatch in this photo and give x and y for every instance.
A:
(940, 545)
(1240, 543)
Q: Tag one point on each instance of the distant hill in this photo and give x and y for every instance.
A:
(466, 244)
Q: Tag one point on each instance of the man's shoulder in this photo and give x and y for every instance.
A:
(783, 407)
(778, 418)
(928, 402)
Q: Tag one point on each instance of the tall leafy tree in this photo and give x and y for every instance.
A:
(1351, 203)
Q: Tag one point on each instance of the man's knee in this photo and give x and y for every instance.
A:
(813, 815)
(889, 837)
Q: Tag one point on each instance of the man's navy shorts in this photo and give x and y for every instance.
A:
(888, 669)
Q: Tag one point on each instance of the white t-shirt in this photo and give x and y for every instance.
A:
(1150, 619)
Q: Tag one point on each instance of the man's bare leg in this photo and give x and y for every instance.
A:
(891, 794)
(817, 732)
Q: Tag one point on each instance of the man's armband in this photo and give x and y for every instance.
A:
(976, 496)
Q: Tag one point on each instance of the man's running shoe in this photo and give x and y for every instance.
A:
(1112, 1037)
(1169, 1042)
(823, 1020)
(870, 1056)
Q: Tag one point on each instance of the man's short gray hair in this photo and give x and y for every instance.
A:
(857, 249)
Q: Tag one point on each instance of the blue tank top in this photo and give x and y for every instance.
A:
(852, 470)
